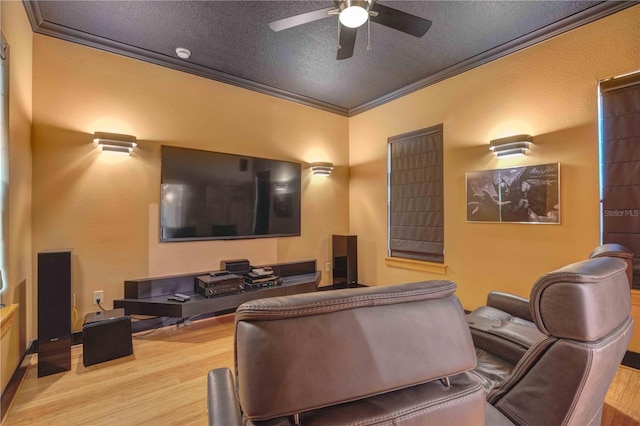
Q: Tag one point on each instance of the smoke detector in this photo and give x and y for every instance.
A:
(183, 53)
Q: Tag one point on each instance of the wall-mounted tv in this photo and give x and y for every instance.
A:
(215, 196)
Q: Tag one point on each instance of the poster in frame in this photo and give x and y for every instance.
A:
(522, 194)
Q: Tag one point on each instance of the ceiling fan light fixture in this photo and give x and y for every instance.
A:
(354, 16)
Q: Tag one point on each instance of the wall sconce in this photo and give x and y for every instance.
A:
(512, 146)
(321, 169)
(115, 143)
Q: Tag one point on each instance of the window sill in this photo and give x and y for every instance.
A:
(417, 265)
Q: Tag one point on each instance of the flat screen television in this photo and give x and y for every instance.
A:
(215, 196)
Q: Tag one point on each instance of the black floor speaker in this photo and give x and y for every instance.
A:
(54, 312)
(345, 260)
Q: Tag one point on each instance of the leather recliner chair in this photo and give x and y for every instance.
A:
(583, 310)
(503, 329)
(377, 355)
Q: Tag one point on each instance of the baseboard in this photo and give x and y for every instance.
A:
(631, 359)
(6, 399)
(76, 338)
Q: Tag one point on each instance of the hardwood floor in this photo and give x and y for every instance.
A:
(622, 403)
(156, 386)
(152, 386)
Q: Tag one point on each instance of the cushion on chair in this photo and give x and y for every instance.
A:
(504, 326)
(490, 371)
(501, 334)
(304, 352)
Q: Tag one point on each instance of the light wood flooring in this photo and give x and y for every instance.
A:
(164, 383)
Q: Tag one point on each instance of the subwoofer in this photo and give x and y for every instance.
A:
(345, 260)
(106, 336)
(54, 312)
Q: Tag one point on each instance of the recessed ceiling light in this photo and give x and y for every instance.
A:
(183, 53)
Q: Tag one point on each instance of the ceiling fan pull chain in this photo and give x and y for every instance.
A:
(368, 34)
(339, 47)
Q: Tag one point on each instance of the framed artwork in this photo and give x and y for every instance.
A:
(524, 194)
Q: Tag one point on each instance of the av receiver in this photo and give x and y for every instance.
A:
(216, 285)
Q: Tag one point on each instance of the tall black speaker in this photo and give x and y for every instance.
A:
(54, 312)
(345, 260)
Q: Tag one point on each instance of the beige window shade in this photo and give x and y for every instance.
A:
(416, 205)
(621, 165)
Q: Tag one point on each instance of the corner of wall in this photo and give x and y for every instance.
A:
(17, 238)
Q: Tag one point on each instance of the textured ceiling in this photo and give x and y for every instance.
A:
(231, 41)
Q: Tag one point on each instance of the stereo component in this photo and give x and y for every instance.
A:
(345, 260)
(236, 266)
(210, 286)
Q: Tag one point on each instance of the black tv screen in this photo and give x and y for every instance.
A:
(215, 196)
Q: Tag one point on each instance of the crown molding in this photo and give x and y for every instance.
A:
(569, 23)
(594, 13)
(43, 27)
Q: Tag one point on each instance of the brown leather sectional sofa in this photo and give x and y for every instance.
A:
(404, 355)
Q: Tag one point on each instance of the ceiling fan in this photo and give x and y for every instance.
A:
(352, 14)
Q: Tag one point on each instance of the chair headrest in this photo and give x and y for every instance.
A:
(316, 303)
(583, 301)
(326, 348)
(612, 250)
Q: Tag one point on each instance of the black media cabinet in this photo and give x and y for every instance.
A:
(148, 296)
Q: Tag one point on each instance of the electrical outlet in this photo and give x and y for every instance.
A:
(98, 295)
(327, 267)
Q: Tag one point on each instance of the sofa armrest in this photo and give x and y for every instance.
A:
(505, 339)
(221, 399)
(515, 305)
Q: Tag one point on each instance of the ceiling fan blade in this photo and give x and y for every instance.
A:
(401, 21)
(347, 42)
(305, 18)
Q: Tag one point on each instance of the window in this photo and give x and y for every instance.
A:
(4, 157)
(620, 165)
(415, 195)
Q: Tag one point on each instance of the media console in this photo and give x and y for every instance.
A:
(148, 296)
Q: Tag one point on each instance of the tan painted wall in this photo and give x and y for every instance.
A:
(18, 33)
(105, 207)
(548, 91)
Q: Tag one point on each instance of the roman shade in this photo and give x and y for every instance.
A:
(621, 165)
(416, 205)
